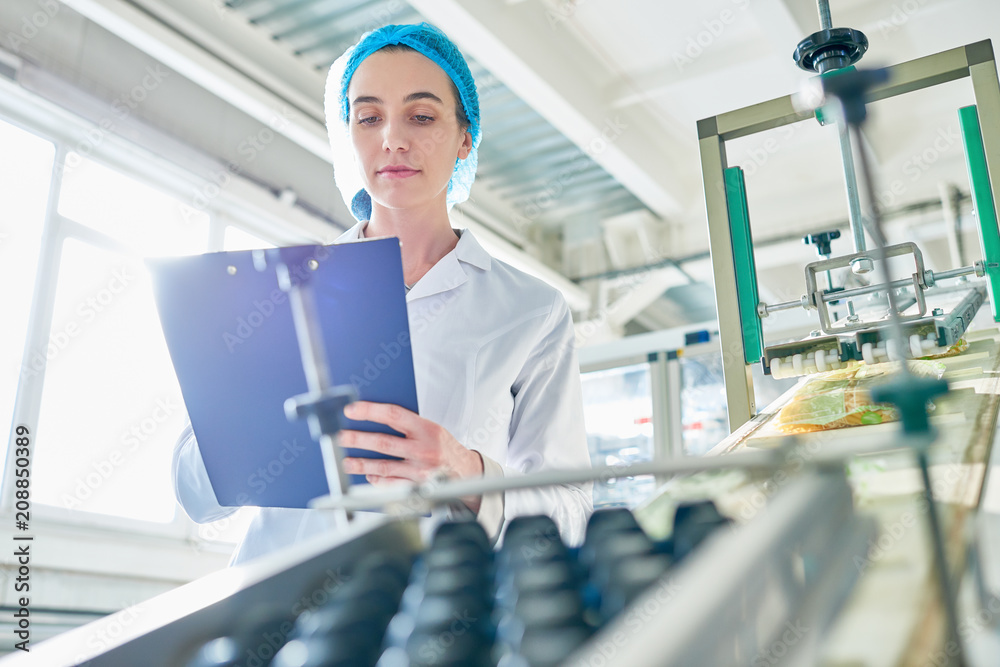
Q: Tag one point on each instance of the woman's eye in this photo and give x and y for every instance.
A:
(423, 119)
(367, 120)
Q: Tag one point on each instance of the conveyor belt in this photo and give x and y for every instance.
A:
(895, 616)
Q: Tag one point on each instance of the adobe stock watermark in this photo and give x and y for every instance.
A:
(261, 310)
(774, 654)
(248, 149)
(900, 16)
(32, 24)
(87, 310)
(257, 481)
(554, 188)
(587, 329)
(132, 438)
(562, 12)
(647, 607)
(373, 367)
(261, 649)
(109, 631)
(122, 107)
(770, 147)
(712, 30)
(275, 468)
(222, 9)
(433, 648)
(919, 164)
(983, 620)
(796, 460)
(891, 534)
(267, 645)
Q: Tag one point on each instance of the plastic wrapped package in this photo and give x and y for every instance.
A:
(842, 398)
(958, 348)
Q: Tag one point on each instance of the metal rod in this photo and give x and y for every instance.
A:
(937, 534)
(898, 336)
(859, 291)
(877, 287)
(825, 21)
(954, 273)
(434, 491)
(851, 181)
(784, 305)
(314, 363)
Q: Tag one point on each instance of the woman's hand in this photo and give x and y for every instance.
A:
(426, 448)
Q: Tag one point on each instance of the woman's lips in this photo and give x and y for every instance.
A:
(397, 172)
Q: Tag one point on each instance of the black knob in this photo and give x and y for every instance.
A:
(822, 241)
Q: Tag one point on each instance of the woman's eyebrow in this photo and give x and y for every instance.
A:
(423, 95)
(366, 99)
(412, 97)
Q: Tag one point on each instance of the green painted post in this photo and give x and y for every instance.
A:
(982, 197)
(746, 270)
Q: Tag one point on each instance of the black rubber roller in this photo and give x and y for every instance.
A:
(694, 522)
(221, 652)
(332, 651)
(463, 532)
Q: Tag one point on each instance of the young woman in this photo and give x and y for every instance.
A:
(497, 377)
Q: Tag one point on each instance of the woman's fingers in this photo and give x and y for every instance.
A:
(394, 416)
(385, 468)
(382, 443)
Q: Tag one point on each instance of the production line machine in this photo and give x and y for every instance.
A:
(933, 308)
(769, 551)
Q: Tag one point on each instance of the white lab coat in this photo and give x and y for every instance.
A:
(495, 365)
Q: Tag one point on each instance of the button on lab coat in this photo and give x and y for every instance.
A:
(495, 365)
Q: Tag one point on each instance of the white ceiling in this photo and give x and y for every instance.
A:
(641, 71)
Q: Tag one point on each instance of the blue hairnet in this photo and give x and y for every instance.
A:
(432, 43)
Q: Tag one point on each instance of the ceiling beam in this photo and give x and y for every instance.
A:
(230, 82)
(530, 49)
(209, 45)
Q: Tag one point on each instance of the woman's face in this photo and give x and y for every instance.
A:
(404, 130)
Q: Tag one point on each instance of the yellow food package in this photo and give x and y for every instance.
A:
(958, 348)
(842, 398)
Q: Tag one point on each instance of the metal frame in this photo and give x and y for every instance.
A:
(816, 296)
(976, 61)
(666, 389)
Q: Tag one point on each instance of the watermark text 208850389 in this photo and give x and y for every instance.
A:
(22, 545)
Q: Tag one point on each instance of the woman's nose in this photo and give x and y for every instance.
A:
(394, 136)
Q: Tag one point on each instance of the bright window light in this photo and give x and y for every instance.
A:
(237, 239)
(143, 218)
(25, 173)
(111, 408)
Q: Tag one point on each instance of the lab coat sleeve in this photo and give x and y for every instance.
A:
(191, 483)
(547, 430)
(492, 504)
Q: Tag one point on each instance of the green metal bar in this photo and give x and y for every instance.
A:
(982, 196)
(746, 270)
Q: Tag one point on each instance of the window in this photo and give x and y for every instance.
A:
(25, 173)
(618, 409)
(96, 383)
(111, 409)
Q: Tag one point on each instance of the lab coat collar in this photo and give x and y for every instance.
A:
(450, 271)
(453, 269)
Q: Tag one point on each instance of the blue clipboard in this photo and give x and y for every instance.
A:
(232, 341)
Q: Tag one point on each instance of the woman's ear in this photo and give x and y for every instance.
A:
(466, 147)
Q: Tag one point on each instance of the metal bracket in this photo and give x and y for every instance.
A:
(818, 298)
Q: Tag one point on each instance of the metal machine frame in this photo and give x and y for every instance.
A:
(732, 255)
